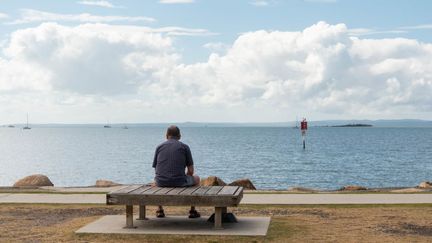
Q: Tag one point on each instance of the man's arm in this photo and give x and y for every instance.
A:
(189, 162)
(155, 158)
(190, 170)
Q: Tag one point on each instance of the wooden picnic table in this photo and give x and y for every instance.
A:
(219, 197)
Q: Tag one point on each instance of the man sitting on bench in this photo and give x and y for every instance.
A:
(171, 159)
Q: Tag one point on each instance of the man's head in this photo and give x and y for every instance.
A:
(173, 132)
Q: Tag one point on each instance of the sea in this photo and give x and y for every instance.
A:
(271, 157)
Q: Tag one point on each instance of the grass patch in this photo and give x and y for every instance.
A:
(290, 223)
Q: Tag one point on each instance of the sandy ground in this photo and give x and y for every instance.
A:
(397, 223)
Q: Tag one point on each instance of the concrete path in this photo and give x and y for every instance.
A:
(177, 225)
(247, 198)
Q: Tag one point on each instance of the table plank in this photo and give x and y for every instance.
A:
(228, 190)
(201, 191)
(140, 190)
(239, 191)
(214, 190)
(127, 189)
(189, 190)
(176, 190)
(164, 190)
(151, 190)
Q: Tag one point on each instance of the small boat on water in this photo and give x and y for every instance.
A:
(125, 127)
(27, 127)
(107, 125)
(11, 126)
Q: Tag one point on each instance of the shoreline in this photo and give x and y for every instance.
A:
(103, 190)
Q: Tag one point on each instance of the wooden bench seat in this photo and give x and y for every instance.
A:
(219, 197)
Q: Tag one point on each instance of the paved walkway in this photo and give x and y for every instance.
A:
(247, 198)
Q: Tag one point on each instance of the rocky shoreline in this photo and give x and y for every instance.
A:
(42, 182)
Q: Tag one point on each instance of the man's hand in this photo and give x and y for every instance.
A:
(190, 170)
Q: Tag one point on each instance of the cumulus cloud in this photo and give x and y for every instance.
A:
(319, 70)
(99, 3)
(88, 59)
(32, 15)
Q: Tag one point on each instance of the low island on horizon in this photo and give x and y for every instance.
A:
(353, 125)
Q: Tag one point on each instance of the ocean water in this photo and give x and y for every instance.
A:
(272, 157)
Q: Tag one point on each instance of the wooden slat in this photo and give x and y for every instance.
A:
(127, 189)
(189, 190)
(239, 192)
(152, 190)
(140, 190)
(228, 190)
(164, 190)
(201, 191)
(214, 190)
(176, 190)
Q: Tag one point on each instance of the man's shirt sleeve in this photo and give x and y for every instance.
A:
(189, 160)
(155, 157)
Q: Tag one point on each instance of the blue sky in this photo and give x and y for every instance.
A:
(252, 60)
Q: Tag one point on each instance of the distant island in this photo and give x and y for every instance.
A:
(353, 125)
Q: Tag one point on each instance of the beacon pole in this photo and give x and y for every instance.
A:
(303, 127)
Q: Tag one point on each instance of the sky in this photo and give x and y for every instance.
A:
(89, 61)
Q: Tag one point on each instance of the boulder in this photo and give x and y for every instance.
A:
(425, 185)
(353, 188)
(245, 183)
(34, 181)
(106, 183)
(212, 181)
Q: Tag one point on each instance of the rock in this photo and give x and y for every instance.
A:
(407, 190)
(106, 183)
(353, 188)
(212, 181)
(425, 185)
(301, 189)
(34, 180)
(245, 183)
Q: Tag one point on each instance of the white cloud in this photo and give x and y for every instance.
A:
(31, 15)
(262, 75)
(216, 46)
(99, 3)
(3, 16)
(322, 1)
(366, 31)
(260, 3)
(176, 1)
(418, 27)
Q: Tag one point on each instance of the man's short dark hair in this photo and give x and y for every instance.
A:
(173, 131)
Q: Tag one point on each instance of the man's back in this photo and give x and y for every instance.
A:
(170, 160)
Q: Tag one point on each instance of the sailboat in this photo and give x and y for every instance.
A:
(27, 126)
(107, 125)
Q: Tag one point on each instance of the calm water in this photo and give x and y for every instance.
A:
(270, 157)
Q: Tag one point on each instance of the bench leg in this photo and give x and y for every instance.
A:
(129, 216)
(224, 210)
(142, 212)
(218, 217)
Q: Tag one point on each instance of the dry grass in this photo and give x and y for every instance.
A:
(379, 223)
